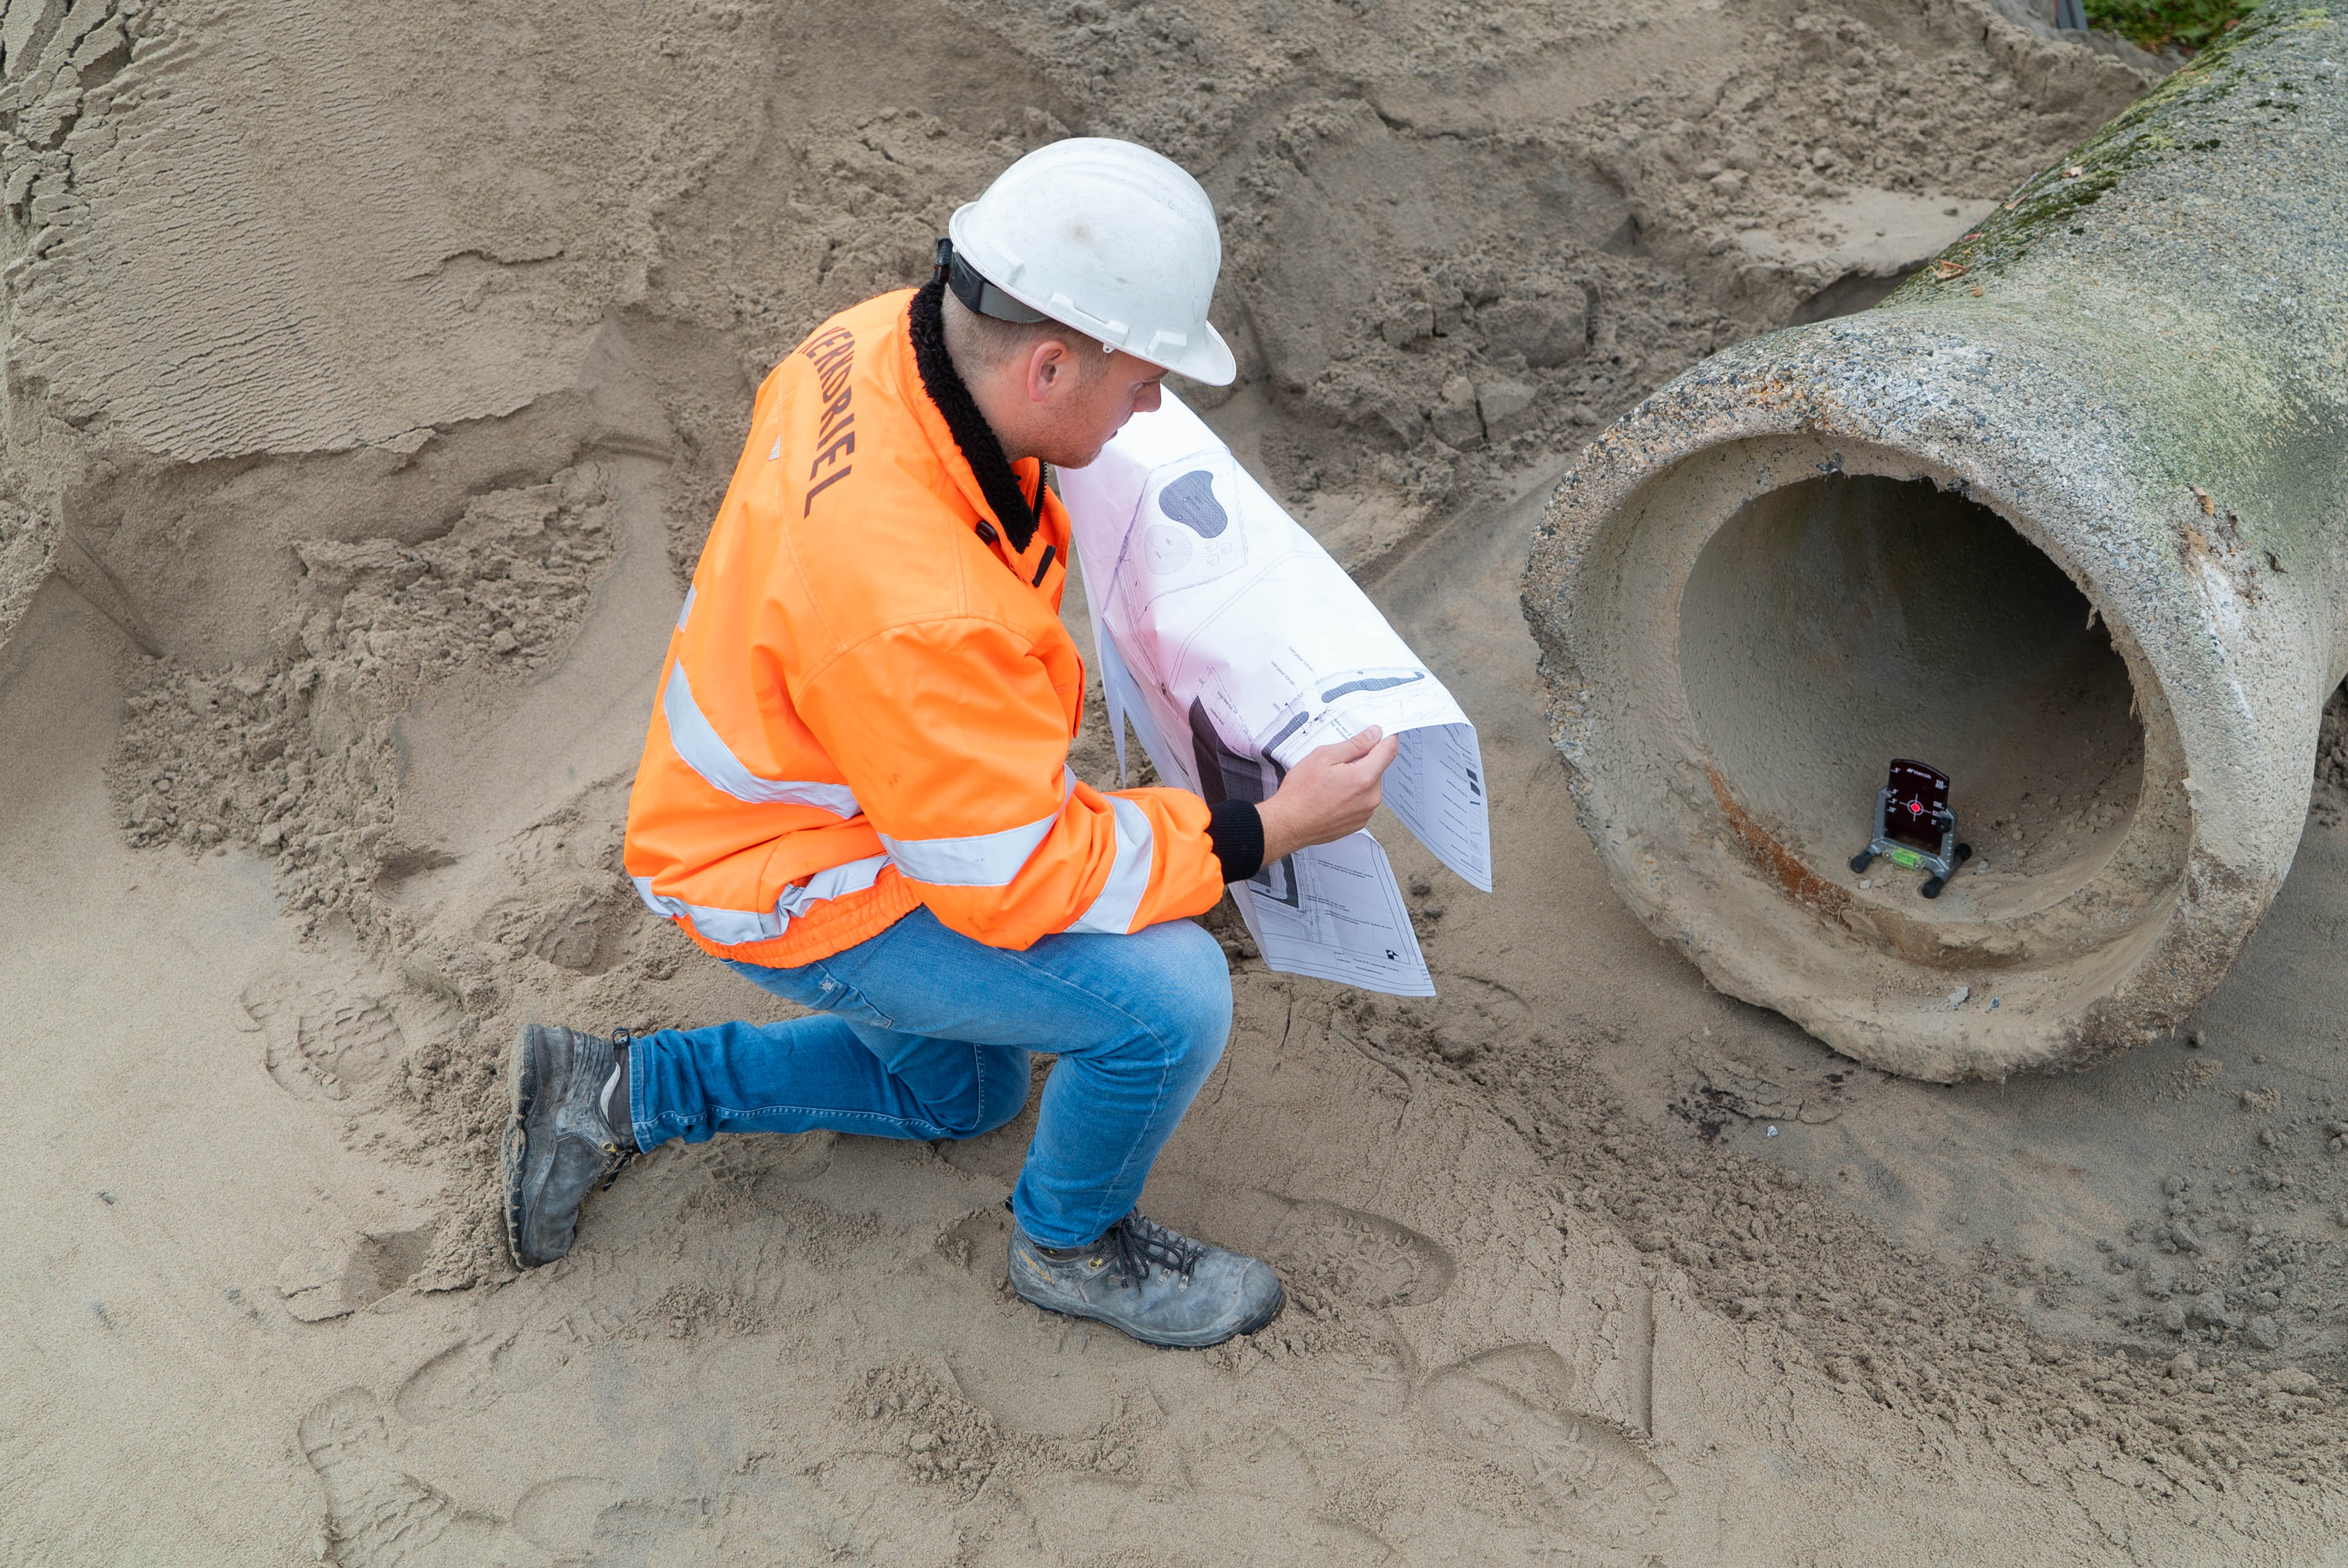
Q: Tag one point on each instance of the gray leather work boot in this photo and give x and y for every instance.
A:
(1145, 1281)
(558, 1145)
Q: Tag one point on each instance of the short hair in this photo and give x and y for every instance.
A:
(994, 341)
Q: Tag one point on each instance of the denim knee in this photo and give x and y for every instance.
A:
(1194, 992)
(1003, 1085)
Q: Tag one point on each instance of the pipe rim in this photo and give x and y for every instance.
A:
(1740, 404)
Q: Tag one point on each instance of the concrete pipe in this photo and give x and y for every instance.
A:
(2067, 517)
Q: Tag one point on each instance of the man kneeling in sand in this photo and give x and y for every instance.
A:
(856, 793)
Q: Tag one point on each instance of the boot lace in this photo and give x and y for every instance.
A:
(1134, 1245)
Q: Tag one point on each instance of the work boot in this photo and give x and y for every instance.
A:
(1151, 1283)
(559, 1143)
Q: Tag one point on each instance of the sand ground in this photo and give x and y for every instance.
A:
(371, 373)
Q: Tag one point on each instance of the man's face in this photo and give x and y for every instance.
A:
(1079, 407)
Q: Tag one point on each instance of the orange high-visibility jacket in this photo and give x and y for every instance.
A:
(868, 699)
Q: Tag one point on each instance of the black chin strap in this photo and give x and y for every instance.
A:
(972, 289)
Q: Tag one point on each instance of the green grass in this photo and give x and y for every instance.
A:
(2191, 24)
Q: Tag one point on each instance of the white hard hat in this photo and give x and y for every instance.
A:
(1111, 239)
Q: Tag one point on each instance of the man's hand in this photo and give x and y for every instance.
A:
(1333, 792)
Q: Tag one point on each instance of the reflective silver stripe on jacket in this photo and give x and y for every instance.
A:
(686, 609)
(982, 859)
(1112, 909)
(697, 741)
(732, 927)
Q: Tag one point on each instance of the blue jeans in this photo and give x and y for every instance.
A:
(923, 1033)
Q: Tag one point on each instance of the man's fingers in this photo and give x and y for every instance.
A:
(1372, 759)
(1335, 788)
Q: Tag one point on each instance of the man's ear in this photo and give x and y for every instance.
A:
(1049, 368)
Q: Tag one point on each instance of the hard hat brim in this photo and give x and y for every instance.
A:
(1211, 364)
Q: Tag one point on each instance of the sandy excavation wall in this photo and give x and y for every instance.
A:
(353, 257)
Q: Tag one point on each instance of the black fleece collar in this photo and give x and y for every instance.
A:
(969, 428)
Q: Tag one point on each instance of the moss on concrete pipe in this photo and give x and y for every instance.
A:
(2066, 516)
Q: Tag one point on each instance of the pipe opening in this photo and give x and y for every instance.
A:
(1836, 624)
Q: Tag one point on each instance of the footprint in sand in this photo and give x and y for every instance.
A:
(467, 1379)
(379, 1516)
(1379, 1262)
(338, 1277)
(474, 1374)
(327, 1052)
(1507, 1406)
(329, 1045)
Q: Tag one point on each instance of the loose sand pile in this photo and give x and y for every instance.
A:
(372, 374)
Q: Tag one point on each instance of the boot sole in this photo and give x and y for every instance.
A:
(1279, 1302)
(522, 1078)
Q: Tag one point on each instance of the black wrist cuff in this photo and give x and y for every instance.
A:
(1236, 830)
